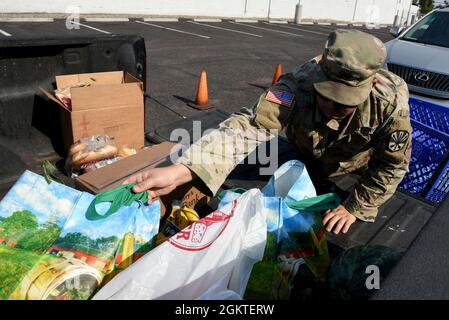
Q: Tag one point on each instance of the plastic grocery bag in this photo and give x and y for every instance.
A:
(211, 258)
(295, 232)
(60, 243)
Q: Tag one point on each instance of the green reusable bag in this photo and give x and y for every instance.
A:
(295, 233)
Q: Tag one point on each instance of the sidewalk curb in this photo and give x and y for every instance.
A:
(25, 19)
(160, 19)
(278, 21)
(207, 20)
(106, 19)
(245, 20)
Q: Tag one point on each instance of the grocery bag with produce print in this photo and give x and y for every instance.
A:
(60, 243)
(295, 232)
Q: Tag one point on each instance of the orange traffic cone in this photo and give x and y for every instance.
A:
(202, 95)
(277, 74)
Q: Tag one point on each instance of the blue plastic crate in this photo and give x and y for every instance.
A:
(440, 188)
(430, 115)
(429, 149)
(430, 145)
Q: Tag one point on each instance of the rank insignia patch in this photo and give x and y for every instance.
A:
(398, 139)
(280, 97)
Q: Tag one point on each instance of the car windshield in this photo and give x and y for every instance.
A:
(433, 29)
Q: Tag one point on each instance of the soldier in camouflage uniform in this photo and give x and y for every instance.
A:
(341, 110)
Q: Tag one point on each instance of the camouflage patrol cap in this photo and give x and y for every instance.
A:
(349, 63)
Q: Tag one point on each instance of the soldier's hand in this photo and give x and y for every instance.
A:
(338, 219)
(160, 181)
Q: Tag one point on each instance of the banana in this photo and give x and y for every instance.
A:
(182, 217)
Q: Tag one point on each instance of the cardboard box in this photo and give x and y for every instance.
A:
(113, 105)
(194, 194)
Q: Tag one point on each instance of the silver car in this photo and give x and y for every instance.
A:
(420, 55)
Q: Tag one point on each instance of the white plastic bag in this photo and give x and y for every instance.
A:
(211, 256)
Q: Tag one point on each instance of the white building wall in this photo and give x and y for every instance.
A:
(256, 8)
(387, 9)
(341, 10)
(334, 10)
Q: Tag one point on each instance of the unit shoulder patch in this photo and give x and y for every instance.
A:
(280, 97)
(397, 141)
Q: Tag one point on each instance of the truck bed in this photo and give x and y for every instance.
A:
(29, 124)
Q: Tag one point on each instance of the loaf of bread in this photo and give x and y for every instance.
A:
(77, 147)
(99, 154)
(126, 151)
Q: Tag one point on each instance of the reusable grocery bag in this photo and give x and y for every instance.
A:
(60, 243)
(295, 233)
(210, 258)
(213, 258)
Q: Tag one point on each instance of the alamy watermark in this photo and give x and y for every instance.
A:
(373, 280)
(225, 148)
(73, 19)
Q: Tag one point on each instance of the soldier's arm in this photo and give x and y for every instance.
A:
(388, 164)
(215, 155)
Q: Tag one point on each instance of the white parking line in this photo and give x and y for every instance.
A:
(226, 29)
(268, 29)
(175, 30)
(86, 26)
(301, 30)
(6, 34)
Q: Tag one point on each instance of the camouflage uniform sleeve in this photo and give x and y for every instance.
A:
(388, 163)
(217, 153)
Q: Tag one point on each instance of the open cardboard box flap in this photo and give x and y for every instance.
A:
(111, 77)
(110, 89)
(114, 174)
(53, 98)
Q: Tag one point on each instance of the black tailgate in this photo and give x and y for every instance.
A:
(29, 124)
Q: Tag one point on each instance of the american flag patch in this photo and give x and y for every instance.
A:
(280, 97)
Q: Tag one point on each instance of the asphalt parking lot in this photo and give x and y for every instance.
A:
(239, 57)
